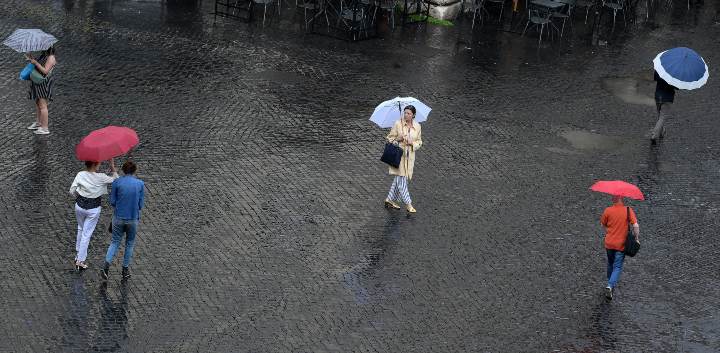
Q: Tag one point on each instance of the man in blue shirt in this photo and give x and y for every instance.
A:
(127, 197)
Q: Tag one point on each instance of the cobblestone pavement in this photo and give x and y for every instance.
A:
(264, 229)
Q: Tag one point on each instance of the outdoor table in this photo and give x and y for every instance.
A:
(548, 4)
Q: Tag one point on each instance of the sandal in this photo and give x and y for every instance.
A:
(390, 204)
(80, 266)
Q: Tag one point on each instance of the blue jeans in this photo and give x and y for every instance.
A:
(120, 226)
(616, 258)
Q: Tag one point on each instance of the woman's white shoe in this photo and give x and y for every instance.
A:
(41, 131)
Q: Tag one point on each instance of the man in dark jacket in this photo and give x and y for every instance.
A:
(664, 97)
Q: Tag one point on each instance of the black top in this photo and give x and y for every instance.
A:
(87, 203)
(664, 92)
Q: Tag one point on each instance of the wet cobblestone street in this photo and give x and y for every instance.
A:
(263, 228)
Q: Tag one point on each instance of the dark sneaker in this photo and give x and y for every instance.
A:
(608, 293)
(125, 273)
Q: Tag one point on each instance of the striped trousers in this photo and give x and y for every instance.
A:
(399, 190)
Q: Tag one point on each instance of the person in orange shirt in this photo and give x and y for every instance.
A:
(615, 220)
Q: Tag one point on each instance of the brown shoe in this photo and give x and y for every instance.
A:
(410, 209)
(390, 204)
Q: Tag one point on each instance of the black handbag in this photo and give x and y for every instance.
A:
(632, 246)
(392, 155)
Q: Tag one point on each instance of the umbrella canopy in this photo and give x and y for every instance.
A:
(681, 67)
(28, 40)
(618, 188)
(390, 111)
(106, 143)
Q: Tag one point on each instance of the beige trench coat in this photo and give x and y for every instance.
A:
(407, 162)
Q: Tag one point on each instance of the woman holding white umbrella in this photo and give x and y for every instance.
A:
(41, 80)
(408, 134)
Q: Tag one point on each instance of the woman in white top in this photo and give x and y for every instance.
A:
(88, 188)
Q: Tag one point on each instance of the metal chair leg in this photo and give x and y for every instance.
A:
(502, 8)
(541, 32)
(614, 15)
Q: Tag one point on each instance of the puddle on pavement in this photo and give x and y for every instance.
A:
(583, 140)
(631, 89)
(561, 150)
(277, 76)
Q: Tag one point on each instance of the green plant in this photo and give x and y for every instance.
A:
(431, 20)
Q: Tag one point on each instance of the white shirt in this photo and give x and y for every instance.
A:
(91, 185)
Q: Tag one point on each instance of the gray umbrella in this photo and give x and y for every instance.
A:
(28, 40)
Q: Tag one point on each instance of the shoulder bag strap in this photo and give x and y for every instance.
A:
(628, 215)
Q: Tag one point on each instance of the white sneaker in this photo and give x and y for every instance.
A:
(41, 131)
(34, 126)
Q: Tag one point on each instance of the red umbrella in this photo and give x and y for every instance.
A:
(618, 188)
(108, 142)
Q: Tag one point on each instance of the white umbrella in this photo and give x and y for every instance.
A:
(388, 112)
(29, 40)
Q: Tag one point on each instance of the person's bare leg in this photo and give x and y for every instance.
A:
(42, 112)
(37, 112)
(659, 129)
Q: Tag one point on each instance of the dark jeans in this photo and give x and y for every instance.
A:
(129, 228)
(616, 259)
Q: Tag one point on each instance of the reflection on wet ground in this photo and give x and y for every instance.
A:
(631, 90)
(264, 229)
(584, 140)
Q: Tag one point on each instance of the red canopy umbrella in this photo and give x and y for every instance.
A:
(618, 188)
(108, 142)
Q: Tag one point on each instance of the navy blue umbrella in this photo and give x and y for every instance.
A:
(681, 67)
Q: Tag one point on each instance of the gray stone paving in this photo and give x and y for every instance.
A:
(264, 229)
